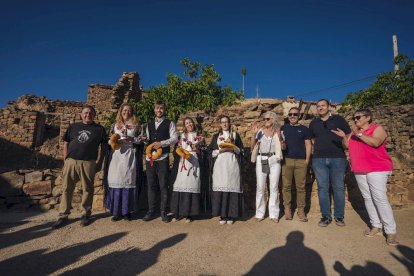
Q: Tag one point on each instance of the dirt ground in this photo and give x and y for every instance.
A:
(28, 246)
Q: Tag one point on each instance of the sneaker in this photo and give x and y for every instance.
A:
(62, 221)
(222, 221)
(392, 240)
(372, 232)
(116, 218)
(276, 220)
(288, 213)
(188, 219)
(302, 215)
(340, 221)
(164, 217)
(149, 216)
(230, 221)
(325, 221)
(85, 220)
(259, 219)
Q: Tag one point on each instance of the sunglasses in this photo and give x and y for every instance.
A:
(356, 118)
(266, 119)
(325, 125)
(293, 114)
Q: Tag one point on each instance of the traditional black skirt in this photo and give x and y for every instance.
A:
(227, 205)
(185, 204)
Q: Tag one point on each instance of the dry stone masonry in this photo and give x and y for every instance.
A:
(398, 121)
(31, 130)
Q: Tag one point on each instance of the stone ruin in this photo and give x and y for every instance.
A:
(31, 146)
(31, 131)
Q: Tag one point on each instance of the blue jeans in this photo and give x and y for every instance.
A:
(330, 172)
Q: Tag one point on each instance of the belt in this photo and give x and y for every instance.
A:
(267, 154)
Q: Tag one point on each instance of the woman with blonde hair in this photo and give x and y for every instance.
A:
(122, 172)
(268, 162)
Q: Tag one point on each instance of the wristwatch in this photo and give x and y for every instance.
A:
(359, 134)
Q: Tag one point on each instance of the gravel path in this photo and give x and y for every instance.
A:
(29, 247)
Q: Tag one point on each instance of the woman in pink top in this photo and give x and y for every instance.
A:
(372, 166)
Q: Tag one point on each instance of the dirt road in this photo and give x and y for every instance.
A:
(29, 247)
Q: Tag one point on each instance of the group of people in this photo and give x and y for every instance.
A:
(278, 151)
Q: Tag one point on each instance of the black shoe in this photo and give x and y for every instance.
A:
(149, 216)
(340, 221)
(325, 221)
(127, 217)
(164, 217)
(85, 221)
(62, 221)
(116, 218)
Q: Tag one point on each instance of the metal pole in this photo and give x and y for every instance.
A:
(395, 48)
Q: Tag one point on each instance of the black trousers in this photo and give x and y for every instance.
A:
(157, 178)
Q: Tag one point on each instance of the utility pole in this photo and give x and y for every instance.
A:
(395, 48)
(243, 72)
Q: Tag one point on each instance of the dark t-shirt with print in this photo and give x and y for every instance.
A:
(295, 137)
(328, 144)
(84, 140)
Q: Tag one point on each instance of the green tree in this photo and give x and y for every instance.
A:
(198, 89)
(388, 88)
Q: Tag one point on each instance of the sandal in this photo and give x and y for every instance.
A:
(372, 232)
(392, 240)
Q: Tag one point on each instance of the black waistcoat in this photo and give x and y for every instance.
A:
(159, 134)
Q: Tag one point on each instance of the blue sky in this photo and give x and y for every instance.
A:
(56, 48)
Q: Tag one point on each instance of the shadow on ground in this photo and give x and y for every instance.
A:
(355, 196)
(407, 259)
(371, 268)
(12, 238)
(42, 262)
(294, 258)
(131, 261)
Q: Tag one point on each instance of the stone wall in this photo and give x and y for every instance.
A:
(33, 121)
(242, 116)
(33, 127)
(42, 189)
(107, 98)
(22, 127)
(398, 120)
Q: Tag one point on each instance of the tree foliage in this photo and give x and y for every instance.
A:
(199, 89)
(388, 88)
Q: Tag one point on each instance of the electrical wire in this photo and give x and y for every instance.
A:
(337, 86)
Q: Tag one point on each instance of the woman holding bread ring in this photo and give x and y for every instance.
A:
(226, 149)
(185, 200)
(122, 172)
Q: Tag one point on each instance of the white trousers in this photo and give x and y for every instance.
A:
(373, 187)
(261, 178)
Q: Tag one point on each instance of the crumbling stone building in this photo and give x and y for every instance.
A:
(31, 146)
(31, 130)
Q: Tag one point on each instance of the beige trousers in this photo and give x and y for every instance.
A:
(296, 168)
(74, 171)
